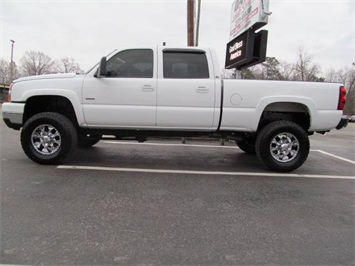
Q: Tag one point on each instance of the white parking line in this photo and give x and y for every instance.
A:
(335, 156)
(166, 171)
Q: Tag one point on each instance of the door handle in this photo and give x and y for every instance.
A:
(147, 88)
(202, 90)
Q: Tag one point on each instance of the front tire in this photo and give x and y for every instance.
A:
(282, 146)
(48, 138)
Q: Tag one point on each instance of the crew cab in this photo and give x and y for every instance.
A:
(175, 92)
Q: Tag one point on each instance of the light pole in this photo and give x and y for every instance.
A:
(12, 60)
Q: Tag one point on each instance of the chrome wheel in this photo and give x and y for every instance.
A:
(284, 147)
(46, 139)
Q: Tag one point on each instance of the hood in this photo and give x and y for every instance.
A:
(50, 76)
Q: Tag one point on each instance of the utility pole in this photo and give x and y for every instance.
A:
(190, 22)
(198, 21)
(12, 60)
(190, 30)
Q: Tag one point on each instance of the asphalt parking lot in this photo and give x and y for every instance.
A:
(164, 203)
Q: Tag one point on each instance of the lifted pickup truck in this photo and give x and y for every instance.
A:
(170, 92)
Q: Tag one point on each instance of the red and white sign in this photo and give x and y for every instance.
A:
(247, 14)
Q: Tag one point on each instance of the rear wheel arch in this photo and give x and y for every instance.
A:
(298, 113)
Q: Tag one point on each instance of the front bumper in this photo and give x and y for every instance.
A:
(12, 114)
(343, 122)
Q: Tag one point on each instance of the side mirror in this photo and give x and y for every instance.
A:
(102, 72)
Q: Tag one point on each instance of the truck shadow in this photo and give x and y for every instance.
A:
(167, 158)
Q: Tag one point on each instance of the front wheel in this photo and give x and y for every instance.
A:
(282, 146)
(48, 138)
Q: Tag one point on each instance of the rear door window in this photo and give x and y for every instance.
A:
(185, 65)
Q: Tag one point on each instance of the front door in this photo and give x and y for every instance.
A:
(126, 97)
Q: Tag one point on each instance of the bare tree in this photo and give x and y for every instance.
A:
(267, 70)
(270, 69)
(286, 71)
(346, 76)
(249, 73)
(66, 65)
(305, 70)
(350, 85)
(331, 75)
(5, 72)
(36, 63)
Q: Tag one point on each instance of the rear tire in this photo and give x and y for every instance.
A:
(247, 145)
(282, 146)
(48, 138)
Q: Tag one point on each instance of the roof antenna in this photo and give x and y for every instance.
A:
(164, 43)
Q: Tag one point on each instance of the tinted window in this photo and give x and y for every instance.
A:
(131, 64)
(182, 65)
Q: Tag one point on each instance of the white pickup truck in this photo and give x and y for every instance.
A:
(175, 92)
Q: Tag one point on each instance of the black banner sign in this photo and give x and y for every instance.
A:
(246, 50)
(240, 50)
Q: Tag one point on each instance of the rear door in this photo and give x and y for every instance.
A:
(186, 90)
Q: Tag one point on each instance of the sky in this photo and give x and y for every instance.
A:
(87, 30)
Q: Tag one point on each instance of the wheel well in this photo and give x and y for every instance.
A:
(58, 104)
(295, 112)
